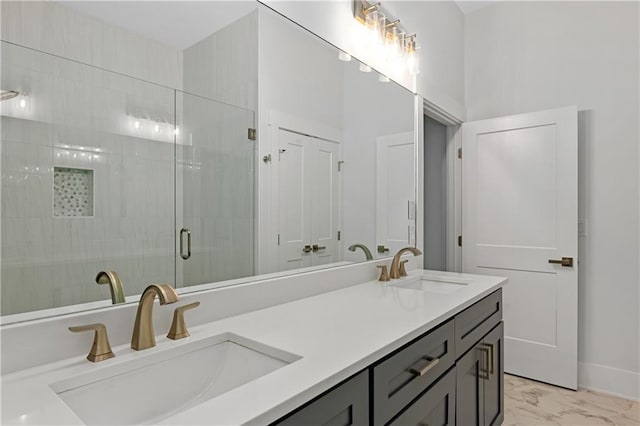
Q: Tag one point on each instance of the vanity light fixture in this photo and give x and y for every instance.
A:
(387, 36)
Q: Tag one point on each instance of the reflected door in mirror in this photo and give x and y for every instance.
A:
(308, 205)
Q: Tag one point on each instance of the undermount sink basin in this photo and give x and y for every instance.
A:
(433, 284)
(150, 388)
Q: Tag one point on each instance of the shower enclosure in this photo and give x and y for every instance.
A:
(102, 171)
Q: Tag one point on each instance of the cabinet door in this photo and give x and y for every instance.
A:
(469, 388)
(346, 405)
(493, 382)
(436, 407)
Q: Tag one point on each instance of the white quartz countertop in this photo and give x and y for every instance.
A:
(336, 334)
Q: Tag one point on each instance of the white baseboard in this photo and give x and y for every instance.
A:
(609, 380)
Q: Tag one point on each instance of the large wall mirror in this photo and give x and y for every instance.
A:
(260, 150)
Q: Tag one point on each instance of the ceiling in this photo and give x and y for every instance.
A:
(471, 6)
(190, 21)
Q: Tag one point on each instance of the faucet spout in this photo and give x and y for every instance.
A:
(362, 247)
(395, 263)
(115, 285)
(143, 335)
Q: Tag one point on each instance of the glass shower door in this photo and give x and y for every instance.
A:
(87, 181)
(215, 191)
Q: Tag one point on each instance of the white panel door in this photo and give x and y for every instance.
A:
(308, 205)
(519, 213)
(395, 192)
(324, 201)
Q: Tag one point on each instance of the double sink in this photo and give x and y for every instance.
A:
(154, 386)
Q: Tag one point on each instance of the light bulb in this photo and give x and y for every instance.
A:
(177, 131)
(136, 125)
(344, 56)
(23, 103)
(365, 67)
(156, 128)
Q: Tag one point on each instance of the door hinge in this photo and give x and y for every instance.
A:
(339, 235)
(459, 240)
(278, 239)
(340, 163)
(252, 134)
(459, 152)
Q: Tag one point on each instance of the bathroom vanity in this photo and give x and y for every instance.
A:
(427, 347)
(452, 374)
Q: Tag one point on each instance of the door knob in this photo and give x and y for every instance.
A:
(383, 249)
(565, 261)
(307, 249)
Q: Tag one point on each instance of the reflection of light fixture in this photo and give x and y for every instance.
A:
(383, 78)
(156, 128)
(5, 95)
(136, 124)
(365, 67)
(177, 131)
(344, 56)
(388, 36)
(23, 103)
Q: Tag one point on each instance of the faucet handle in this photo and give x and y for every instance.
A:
(403, 272)
(101, 349)
(384, 275)
(178, 328)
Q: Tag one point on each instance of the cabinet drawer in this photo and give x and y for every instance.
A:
(476, 321)
(400, 378)
(437, 407)
(346, 404)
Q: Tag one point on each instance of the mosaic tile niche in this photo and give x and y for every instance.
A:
(72, 192)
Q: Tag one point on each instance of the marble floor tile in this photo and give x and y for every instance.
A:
(527, 402)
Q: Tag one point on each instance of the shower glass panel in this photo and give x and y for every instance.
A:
(215, 196)
(88, 168)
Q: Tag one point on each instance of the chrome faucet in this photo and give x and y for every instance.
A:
(364, 248)
(143, 336)
(395, 263)
(115, 285)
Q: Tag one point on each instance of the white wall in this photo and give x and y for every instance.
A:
(529, 56)
(440, 29)
(371, 109)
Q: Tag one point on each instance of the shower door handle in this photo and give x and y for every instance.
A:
(182, 232)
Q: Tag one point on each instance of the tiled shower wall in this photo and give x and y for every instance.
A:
(79, 117)
(83, 119)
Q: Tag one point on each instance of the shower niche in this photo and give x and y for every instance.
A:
(72, 192)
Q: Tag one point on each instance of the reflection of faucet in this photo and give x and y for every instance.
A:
(364, 248)
(143, 335)
(395, 263)
(115, 285)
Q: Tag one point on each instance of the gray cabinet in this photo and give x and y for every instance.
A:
(479, 382)
(400, 377)
(436, 407)
(345, 405)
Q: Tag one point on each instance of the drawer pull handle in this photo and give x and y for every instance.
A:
(491, 358)
(431, 362)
